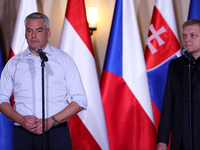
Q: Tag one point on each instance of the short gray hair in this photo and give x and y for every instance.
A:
(37, 15)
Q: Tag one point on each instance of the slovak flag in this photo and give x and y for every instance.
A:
(88, 128)
(124, 85)
(162, 46)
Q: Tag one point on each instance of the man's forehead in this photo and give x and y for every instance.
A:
(35, 23)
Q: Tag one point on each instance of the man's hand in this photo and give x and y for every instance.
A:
(29, 122)
(37, 128)
(161, 146)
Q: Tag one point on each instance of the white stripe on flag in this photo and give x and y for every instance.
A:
(134, 69)
(18, 41)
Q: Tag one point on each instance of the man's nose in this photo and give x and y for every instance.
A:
(33, 34)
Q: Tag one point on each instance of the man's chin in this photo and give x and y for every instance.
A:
(33, 47)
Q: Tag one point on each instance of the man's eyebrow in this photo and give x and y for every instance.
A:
(29, 29)
(40, 28)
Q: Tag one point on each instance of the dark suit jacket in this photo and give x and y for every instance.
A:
(175, 109)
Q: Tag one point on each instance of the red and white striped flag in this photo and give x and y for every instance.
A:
(88, 128)
(18, 41)
(124, 85)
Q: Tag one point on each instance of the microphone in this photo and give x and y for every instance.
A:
(188, 55)
(41, 54)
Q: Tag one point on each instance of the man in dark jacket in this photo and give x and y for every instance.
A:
(175, 116)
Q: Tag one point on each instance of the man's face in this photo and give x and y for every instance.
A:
(36, 34)
(191, 39)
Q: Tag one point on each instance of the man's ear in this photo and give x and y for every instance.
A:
(48, 33)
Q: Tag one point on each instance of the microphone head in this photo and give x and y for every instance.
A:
(184, 50)
(41, 54)
(188, 55)
(38, 49)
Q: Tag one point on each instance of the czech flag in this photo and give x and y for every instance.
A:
(124, 85)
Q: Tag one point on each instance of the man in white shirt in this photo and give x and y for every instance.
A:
(22, 77)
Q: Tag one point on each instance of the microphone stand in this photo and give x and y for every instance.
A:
(190, 104)
(43, 58)
(43, 104)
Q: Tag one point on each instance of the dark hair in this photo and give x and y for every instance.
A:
(37, 15)
(191, 22)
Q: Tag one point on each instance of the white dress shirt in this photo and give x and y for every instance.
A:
(22, 75)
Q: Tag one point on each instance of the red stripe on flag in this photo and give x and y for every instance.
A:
(128, 126)
(12, 96)
(11, 53)
(156, 113)
(157, 119)
(171, 46)
(76, 15)
(81, 137)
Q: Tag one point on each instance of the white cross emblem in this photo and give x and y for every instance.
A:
(155, 34)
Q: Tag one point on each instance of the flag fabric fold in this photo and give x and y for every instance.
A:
(162, 46)
(124, 84)
(6, 125)
(194, 12)
(88, 128)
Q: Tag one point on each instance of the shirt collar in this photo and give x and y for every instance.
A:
(47, 50)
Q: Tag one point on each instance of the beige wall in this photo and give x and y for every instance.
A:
(55, 10)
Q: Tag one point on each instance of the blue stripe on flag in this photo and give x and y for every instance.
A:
(113, 60)
(6, 132)
(194, 12)
(157, 80)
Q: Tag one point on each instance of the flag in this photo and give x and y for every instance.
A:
(19, 43)
(162, 46)
(194, 12)
(88, 128)
(124, 85)
(6, 125)
(18, 40)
